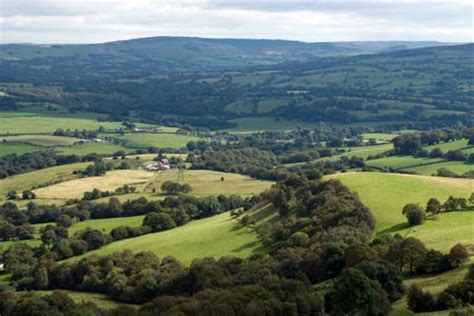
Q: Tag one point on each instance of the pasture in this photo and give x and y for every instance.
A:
(7, 148)
(29, 124)
(215, 236)
(206, 182)
(42, 140)
(104, 148)
(453, 145)
(266, 123)
(386, 194)
(160, 140)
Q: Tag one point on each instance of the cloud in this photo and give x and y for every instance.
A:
(55, 21)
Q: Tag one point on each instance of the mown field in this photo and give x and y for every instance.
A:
(75, 188)
(104, 148)
(386, 194)
(27, 181)
(215, 237)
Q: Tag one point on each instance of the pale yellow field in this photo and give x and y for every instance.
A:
(76, 188)
(28, 180)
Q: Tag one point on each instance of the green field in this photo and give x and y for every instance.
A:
(42, 140)
(420, 165)
(206, 182)
(266, 123)
(401, 162)
(8, 148)
(104, 148)
(216, 236)
(453, 145)
(379, 137)
(458, 167)
(161, 140)
(28, 124)
(386, 194)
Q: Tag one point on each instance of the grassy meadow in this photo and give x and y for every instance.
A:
(35, 124)
(386, 194)
(42, 140)
(161, 140)
(214, 236)
(8, 148)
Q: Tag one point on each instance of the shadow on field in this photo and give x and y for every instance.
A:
(394, 228)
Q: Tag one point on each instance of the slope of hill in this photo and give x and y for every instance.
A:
(174, 80)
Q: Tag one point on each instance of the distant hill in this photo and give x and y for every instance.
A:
(208, 82)
(197, 52)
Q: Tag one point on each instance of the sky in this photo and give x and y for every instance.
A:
(95, 21)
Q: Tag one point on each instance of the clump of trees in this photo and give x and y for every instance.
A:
(171, 187)
(416, 215)
(97, 193)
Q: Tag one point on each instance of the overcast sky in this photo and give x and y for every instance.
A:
(92, 21)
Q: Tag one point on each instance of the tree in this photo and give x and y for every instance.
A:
(159, 221)
(28, 195)
(64, 221)
(433, 206)
(458, 254)
(414, 213)
(12, 195)
(41, 280)
(419, 301)
(298, 239)
(357, 253)
(406, 253)
(356, 294)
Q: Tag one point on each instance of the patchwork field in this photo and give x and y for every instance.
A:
(454, 145)
(215, 237)
(46, 176)
(386, 194)
(43, 140)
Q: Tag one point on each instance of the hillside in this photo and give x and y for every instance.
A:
(154, 80)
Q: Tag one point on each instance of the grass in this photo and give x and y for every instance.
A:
(206, 182)
(161, 140)
(380, 137)
(109, 182)
(453, 145)
(266, 123)
(362, 151)
(28, 124)
(104, 148)
(402, 162)
(8, 148)
(32, 179)
(433, 283)
(458, 167)
(42, 140)
(216, 236)
(386, 194)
